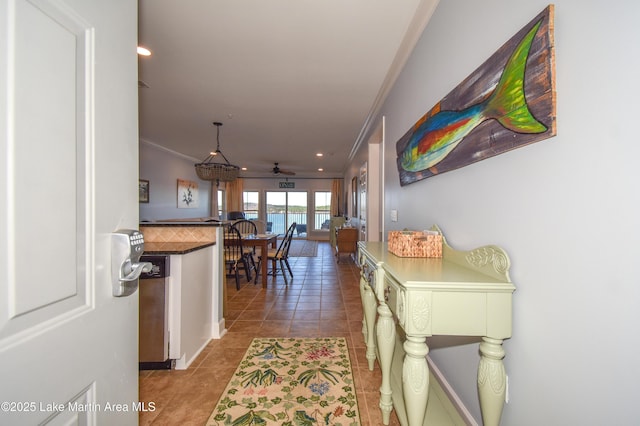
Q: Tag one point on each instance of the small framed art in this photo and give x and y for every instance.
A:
(187, 194)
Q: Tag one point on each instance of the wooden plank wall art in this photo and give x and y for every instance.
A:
(508, 102)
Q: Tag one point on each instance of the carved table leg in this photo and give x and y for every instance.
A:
(369, 304)
(363, 286)
(386, 333)
(415, 379)
(491, 380)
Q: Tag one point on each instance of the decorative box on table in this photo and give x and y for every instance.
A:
(415, 243)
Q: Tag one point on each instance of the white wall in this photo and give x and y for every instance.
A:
(162, 168)
(566, 209)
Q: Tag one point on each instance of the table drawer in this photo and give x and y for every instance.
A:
(412, 310)
(368, 271)
(394, 298)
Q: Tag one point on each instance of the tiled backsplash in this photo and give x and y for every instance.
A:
(162, 234)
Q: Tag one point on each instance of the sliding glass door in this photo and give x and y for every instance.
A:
(286, 207)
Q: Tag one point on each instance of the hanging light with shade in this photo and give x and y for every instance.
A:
(220, 171)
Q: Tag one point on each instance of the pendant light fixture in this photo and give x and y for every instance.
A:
(220, 171)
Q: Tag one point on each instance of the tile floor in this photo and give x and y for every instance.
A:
(323, 299)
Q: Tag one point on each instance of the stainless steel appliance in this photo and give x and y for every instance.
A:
(154, 312)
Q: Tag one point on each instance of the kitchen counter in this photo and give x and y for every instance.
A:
(185, 222)
(177, 237)
(175, 247)
(195, 285)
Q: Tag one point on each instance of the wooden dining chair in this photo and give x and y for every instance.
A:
(234, 256)
(247, 228)
(235, 215)
(261, 225)
(279, 256)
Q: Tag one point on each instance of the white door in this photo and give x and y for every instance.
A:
(68, 178)
(374, 175)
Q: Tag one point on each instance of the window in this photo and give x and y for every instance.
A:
(221, 204)
(250, 203)
(284, 208)
(322, 210)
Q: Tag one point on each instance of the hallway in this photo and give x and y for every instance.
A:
(323, 299)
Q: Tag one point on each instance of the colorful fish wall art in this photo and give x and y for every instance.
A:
(508, 102)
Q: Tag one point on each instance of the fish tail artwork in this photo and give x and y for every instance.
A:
(507, 104)
(439, 132)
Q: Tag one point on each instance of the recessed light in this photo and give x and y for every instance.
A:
(143, 51)
(319, 154)
(321, 169)
(244, 168)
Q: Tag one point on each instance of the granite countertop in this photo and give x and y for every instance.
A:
(186, 223)
(175, 247)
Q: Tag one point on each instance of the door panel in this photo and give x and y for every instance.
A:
(45, 153)
(68, 138)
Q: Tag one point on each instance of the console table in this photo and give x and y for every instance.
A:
(346, 240)
(464, 293)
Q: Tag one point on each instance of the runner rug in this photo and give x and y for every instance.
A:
(290, 381)
(303, 248)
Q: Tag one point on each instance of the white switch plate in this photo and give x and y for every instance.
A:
(394, 215)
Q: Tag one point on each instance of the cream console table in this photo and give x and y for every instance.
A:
(465, 293)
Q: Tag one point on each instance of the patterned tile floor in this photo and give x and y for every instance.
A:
(322, 300)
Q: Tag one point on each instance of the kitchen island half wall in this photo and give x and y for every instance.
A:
(195, 291)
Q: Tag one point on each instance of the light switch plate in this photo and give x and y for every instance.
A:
(394, 215)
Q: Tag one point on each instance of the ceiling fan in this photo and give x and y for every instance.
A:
(278, 171)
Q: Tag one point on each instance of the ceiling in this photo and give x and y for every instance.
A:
(287, 78)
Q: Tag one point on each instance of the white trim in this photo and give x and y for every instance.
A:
(182, 363)
(170, 151)
(451, 394)
(420, 20)
(219, 331)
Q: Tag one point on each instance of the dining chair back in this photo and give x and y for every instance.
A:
(261, 225)
(234, 256)
(235, 215)
(247, 228)
(279, 256)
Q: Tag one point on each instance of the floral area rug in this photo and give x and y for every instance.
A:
(290, 382)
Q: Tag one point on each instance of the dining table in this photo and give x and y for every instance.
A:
(263, 241)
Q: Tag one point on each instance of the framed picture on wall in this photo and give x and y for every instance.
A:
(508, 102)
(187, 194)
(143, 191)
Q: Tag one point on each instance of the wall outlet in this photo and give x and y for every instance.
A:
(394, 215)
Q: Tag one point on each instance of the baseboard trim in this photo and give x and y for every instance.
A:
(218, 329)
(183, 363)
(451, 395)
